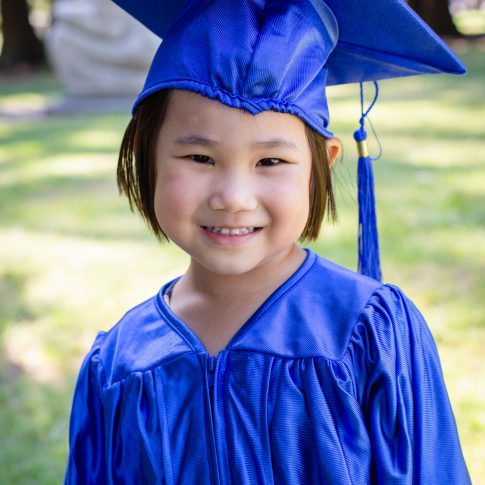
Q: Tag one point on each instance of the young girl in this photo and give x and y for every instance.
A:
(264, 363)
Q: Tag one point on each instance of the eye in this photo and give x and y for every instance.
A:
(201, 159)
(270, 162)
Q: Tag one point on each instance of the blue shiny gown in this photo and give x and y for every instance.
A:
(334, 380)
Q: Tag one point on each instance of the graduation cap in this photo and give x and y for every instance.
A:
(280, 55)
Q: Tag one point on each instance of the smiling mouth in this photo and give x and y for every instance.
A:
(232, 231)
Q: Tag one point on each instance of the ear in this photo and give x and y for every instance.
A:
(334, 149)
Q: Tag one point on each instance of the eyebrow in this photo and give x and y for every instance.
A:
(191, 140)
(195, 140)
(275, 143)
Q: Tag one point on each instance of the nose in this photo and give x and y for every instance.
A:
(233, 192)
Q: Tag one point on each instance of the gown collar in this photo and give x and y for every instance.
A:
(193, 340)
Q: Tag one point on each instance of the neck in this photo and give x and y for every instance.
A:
(262, 280)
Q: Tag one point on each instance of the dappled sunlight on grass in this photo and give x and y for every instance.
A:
(96, 139)
(54, 136)
(69, 166)
(79, 286)
(447, 153)
(22, 349)
(470, 21)
(30, 102)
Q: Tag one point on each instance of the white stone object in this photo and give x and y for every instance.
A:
(97, 49)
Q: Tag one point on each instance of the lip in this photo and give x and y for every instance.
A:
(230, 239)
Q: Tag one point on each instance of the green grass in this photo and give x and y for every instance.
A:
(74, 259)
(470, 22)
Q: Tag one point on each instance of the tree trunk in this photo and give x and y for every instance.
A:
(437, 14)
(21, 47)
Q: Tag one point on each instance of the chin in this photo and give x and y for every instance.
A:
(230, 270)
(231, 266)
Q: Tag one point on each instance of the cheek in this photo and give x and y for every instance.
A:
(289, 202)
(174, 199)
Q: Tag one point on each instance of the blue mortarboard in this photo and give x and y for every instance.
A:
(280, 55)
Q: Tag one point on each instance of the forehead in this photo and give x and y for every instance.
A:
(191, 112)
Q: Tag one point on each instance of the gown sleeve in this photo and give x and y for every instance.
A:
(400, 386)
(86, 459)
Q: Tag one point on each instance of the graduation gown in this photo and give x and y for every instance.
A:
(334, 380)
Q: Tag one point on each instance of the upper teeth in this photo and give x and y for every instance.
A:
(230, 231)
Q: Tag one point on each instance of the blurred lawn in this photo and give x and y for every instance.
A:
(73, 259)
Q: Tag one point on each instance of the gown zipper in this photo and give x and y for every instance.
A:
(211, 367)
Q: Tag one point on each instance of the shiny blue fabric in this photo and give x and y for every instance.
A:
(256, 56)
(334, 380)
(281, 55)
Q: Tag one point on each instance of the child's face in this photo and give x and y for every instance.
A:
(232, 189)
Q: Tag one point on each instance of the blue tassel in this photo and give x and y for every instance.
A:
(369, 259)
